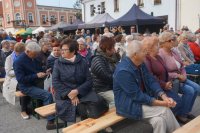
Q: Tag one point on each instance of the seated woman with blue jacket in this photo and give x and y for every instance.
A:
(71, 80)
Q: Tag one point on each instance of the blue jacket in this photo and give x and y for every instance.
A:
(50, 62)
(67, 76)
(129, 97)
(26, 70)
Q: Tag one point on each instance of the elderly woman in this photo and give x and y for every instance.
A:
(155, 65)
(195, 48)
(136, 92)
(12, 44)
(176, 70)
(45, 52)
(102, 68)
(10, 84)
(185, 51)
(71, 80)
(83, 51)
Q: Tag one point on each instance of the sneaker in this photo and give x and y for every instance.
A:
(24, 115)
(190, 116)
(51, 125)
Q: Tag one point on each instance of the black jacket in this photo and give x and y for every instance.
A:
(102, 69)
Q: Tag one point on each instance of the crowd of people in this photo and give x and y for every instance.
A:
(142, 75)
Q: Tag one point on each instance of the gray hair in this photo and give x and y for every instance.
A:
(133, 47)
(33, 46)
(44, 41)
(81, 40)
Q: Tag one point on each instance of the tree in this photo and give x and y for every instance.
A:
(77, 5)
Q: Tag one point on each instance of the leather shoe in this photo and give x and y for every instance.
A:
(182, 120)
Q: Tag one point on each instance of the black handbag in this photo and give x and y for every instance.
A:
(92, 106)
(175, 85)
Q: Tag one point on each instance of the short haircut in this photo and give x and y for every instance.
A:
(118, 38)
(106, 43)
(33, 46)
(133, 47)
(72, 45)
(19, 47)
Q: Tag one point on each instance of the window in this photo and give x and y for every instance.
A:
(140, 3)
(103, 7)
(17, 16)
(30, 17)
(92, 10)
(17, 19)
(44, 19)
(116, 5)
(53, 19)
(62, 18)
(8, 18)
(1, 21)
(157, 2)
(71, 19)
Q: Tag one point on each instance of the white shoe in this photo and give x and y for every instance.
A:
(24, 115)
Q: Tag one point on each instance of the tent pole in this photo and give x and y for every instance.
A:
(137, 28)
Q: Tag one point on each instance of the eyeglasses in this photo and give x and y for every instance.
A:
(64, 50)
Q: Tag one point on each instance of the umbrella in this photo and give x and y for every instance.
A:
(39, 29)
(28, 32)
(20, 31)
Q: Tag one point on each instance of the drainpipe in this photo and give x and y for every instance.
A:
(176, 14)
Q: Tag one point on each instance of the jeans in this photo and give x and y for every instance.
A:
(190, 90)
(38, 93)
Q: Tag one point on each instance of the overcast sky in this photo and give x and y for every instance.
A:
(63, 3)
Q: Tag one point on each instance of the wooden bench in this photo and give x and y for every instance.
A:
(94, 125)
(34, 103)
(191, 127)
(47, 110)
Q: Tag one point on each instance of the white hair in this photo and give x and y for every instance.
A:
(81, 40)
(33, 46)
(133, 47)
(129, 38)
(108, 34)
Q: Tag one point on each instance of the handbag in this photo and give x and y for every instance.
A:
(92, 106)
(175, 85)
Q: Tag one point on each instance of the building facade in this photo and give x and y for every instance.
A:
(26, 13)
(176, 12)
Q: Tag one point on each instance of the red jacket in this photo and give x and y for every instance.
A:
(195, 49)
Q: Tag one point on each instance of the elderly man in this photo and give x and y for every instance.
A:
(136, 92)
(28, 72)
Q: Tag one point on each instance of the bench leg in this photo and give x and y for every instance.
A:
(57, 130)
(35, 105)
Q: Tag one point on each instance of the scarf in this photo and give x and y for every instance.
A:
(71, 59)
(188, 52)
(83, 52)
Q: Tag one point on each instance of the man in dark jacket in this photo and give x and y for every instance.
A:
(136, 90)
(28, 72)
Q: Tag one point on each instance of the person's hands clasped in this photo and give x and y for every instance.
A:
(75, 101)
(170, 102)
(41, 75)
(73, 93)
(181, 77)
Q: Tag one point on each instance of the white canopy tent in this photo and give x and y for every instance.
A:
(39, 29)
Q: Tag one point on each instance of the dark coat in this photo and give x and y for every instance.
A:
(26, 70)
(2, 64)
(50, 62)
(66, 77)
(42, 59)
(102, 69)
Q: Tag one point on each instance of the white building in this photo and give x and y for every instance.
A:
(176, 12)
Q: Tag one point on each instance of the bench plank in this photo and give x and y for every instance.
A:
(94, 125)
(191, 127)
(19, 94)
(2, 80)
(47, 110)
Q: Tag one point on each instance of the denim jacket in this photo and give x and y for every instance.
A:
(129, 96)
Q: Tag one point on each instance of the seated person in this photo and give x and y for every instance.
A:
(28, 73)
(102, 68)
(155, 65)
(176, 70)
(136, 92)
(10, 83)
(83, 51)
(71, 80)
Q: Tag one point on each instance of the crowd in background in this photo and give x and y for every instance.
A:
(140, 74)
